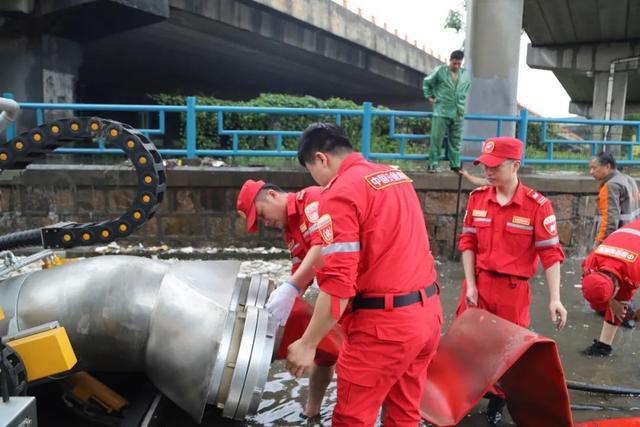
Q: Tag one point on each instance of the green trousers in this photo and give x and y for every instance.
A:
(441, 126)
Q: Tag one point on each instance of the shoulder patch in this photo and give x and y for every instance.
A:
(383, 179)
(311, 212)
(539, 198)
(618, 253)
(479, 189)
(300, 194)
(550, 225)
(325, 228)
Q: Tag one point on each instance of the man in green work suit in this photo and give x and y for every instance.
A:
(446, 89)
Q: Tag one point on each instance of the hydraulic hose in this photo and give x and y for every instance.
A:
(605, 389)
(21, 239)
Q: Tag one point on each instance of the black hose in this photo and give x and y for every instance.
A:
(457, 216)
(605, 389)
(21, 239)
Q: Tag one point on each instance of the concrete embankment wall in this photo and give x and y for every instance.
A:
(200, 206)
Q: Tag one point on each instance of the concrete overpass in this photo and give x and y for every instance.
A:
(121, 50)
(592, 47)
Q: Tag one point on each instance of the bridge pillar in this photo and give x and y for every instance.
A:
(40, 68)
(600, 100)
(492, 50)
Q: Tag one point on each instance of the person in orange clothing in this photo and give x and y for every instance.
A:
(611, 276)
(507, 227)
(296, 214)
(376, 259)
(618, 196)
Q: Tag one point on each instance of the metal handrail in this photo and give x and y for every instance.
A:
(191, 110)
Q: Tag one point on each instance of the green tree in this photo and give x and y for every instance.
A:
(454, 21)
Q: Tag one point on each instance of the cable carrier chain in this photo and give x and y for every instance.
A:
(37, 142)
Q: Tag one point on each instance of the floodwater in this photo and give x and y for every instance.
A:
(284, 395)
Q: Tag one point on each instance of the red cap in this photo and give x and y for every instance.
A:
(246, 203)
(497, 150)
(597, 288)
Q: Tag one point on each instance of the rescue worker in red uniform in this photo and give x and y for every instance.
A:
(376, 259)
(296, 214)
(507, 227)
(611, 276)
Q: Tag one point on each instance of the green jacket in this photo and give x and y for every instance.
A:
(450, 96)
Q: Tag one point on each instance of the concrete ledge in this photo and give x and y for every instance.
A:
(196, 176)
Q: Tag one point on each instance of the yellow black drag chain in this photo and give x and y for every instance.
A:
(23, 149)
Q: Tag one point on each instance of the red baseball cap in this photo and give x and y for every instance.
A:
(246, 203)
(597, 288)
(497, 150)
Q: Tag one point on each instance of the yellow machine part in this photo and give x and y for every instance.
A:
(55, 261)
(1, 314)
(85, 387)
(45, 353)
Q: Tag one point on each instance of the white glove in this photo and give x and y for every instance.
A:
(281, 302)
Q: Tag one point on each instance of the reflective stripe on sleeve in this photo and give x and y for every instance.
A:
(341, 247)
(310, 230)
(549, 242)
(471, 230)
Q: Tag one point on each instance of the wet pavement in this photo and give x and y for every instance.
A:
(284, 395)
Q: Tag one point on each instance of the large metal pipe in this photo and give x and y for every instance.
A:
(198, 331)
(10, 109)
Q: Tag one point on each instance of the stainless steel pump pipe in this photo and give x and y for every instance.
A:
(200, 333)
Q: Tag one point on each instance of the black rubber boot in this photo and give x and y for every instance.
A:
(494, 410)
(598, 349)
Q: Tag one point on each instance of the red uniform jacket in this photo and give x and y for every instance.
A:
(509, 239)
(373, 231)
(302, 214)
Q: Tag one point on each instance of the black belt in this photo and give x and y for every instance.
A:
(360, 301)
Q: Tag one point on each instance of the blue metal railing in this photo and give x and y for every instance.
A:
(366, 114)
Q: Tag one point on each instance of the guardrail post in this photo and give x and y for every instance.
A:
(366, 130)
(10, 131)
(522, 132)
(191, 127)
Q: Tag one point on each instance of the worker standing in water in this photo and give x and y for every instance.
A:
(296, 215)
(507, 227)
(370, 220)
(446, 90)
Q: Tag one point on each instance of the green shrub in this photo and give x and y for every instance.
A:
(207, 123)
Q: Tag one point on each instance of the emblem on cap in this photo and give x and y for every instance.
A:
(489, 146)
(242, 214)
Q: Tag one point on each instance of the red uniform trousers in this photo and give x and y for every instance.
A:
(384, 359)
(505, 296)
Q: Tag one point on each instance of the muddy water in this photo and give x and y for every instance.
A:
(284, 395)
